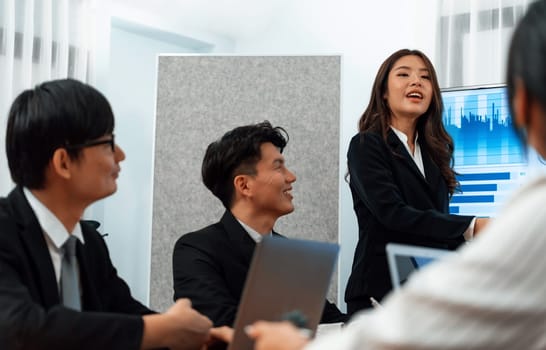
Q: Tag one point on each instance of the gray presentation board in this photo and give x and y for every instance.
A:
(199, 98)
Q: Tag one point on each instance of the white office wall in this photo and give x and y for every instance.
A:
(364, 33)
(128, 40)
(127, 215)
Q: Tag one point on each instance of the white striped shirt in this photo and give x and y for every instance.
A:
(492, 295)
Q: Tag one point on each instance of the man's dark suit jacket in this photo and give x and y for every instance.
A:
(31, 316)
(210, 268)
(393, 202)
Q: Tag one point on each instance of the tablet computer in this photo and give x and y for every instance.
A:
(404, 259)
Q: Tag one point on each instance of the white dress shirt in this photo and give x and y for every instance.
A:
(491, 295)
(416, 154)
(54, 231)
(255, 235)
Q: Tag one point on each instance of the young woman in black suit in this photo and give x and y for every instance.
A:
(401, 175)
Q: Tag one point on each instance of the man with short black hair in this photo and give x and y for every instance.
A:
(58, 287)
(246, 170)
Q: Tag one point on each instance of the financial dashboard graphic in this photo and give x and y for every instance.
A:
(489, 157)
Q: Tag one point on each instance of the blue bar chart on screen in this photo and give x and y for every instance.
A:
(490, 160)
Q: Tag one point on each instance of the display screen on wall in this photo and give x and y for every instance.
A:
(490, 160)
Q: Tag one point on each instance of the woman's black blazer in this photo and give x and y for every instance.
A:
(393, 202)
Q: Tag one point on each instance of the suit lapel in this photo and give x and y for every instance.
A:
(432, 171)
(432, 176)
(243, 244)
(91, 300)
(398, 148)
(33, 237)
(436, 183)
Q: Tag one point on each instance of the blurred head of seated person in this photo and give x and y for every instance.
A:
(492, 294)
(58, 287)
(246, 170)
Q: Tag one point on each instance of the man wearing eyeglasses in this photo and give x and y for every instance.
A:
(58, 287)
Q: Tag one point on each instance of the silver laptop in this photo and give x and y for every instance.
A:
(287, 279)
(405, 259)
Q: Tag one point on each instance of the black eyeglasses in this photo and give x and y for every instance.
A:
(110, 142)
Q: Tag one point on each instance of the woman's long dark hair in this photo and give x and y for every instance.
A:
(377, 116)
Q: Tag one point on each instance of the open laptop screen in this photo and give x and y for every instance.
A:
(404, 259)
(286, 277)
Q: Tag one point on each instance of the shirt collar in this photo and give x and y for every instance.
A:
(255, 235)
(402, 136)
(50, 224)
